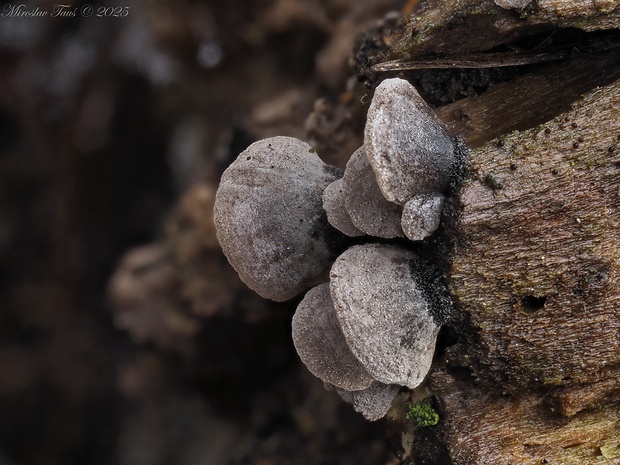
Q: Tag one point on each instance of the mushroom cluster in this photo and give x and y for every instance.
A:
(286, 222)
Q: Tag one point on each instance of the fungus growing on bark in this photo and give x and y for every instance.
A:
(413, 154)
(373, 402)
(270, 219)
(421, 216)
(384, 313)
(321, 346)
(372, 328)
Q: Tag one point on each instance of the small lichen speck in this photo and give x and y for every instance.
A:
(492, 182)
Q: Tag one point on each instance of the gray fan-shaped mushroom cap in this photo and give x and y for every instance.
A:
(383, 313)
(321, 346)
(422, 215)
(410, 150)
(337, 215)
(516, 4)
(367, 207)
(270, 220)
(374, 402)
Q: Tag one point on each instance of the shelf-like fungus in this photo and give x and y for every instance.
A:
(270, 220)
(282, 216)
(421, 216)
(320, 343)
(383, 312)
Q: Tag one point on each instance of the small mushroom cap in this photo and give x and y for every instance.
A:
(374, 402)
(516, 4)
(270, 220)
(411, 151)
(337, 215)
(383, 313)
(422, 215)
(321, 346)
(368, 209)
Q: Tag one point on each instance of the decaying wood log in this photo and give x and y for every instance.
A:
(529, 100)
(551, 65)
(482, 427)
(534, 274)
(534, 268)
(446, 26)
(536, 261)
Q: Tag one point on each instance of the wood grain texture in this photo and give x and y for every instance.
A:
(484, 427)
(529, 100)
(446, 25)
(535, 267)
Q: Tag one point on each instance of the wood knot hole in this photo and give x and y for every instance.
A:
(531, 303)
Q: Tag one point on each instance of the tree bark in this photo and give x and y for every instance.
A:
(487, 427)
(534, 265)
(536, 261)
(534, 275)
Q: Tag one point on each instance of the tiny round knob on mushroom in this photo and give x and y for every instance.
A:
(383, 312)
(368, 209)
(410, 150)
(270, 220)
(513, 4)
(321, 346)
(373, 402)
(422, 215)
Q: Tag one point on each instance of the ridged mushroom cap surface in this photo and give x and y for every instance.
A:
(368, 209)
(337, 215)
(410, 150)
(320, 343)
(384, 313)
(270, 220)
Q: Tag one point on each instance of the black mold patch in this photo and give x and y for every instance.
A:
(333, 171)
(428, 275)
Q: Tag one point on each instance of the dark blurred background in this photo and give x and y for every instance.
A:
(124, 335)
